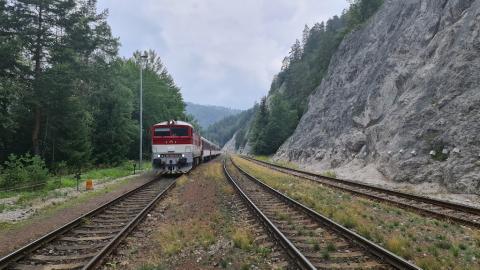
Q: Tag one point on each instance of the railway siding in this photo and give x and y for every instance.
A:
(429, 242)
(463, 214)
(318, 243)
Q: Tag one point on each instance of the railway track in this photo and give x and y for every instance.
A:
(313, 241)
(87, 240)
(460, 213)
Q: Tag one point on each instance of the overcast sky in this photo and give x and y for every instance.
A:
(220, 52)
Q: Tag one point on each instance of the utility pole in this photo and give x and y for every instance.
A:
(140, 157)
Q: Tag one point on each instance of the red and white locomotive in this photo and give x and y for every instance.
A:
(177, 147)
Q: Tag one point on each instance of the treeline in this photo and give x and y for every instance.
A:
(65, 94)
(302, 70)
(222, 131)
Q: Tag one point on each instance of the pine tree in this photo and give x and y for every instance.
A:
(282, 120)
(63, 87)
(258, 136)
(305, 35)
(114, 131)
(39, 30)
(295, 52)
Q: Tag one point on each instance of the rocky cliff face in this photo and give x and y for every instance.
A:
(402, 93)
(230, 145)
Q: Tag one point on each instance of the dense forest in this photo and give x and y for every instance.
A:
(65, 94)
(303, 69)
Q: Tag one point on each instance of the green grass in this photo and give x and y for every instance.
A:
(99, 175)
(242, 239)
(330, 174)
(6, 207)
(54, 208)
(264, 158)
(430, 243)
(279, 162)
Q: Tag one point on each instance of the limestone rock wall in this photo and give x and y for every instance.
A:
(402, 93)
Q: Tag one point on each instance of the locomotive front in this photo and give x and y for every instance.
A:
(176, 148)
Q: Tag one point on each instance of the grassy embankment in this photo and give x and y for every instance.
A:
(430, 243)
(291, 165)
(278, 162)
(56, 185)
(52, 209)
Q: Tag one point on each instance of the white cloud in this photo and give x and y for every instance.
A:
(219, 52)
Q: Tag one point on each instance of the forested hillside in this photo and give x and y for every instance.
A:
(65, 94)
(208, 114)
(223, 130)
(302, 70)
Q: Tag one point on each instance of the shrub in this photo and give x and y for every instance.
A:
(60, 168)
(242, 239)
(330, 174)
(23, 171)
(399, 246)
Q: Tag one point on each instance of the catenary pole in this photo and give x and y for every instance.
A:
(141, 115)
(140, 155)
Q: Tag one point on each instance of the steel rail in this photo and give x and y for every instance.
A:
(378, 251)
(20, 253)
(418, 198)
(98, 259)
(290, 249)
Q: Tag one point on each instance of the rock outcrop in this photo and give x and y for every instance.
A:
(229, 147)
(402, 93)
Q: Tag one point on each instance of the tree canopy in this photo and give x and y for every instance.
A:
(66, 95)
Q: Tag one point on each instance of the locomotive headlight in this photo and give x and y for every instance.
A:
(183, 155)
(158, 156)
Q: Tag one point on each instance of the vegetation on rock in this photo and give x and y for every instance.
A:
(303, 70)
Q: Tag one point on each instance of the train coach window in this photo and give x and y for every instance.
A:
(179, 131)
(162, 132)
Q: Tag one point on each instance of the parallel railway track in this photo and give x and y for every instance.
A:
(463, 214)
(86, 241)
(313, 241)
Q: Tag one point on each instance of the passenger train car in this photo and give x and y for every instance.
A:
(177, 147)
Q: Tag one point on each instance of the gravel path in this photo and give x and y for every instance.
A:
(45, 221)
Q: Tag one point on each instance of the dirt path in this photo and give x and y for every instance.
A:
(16, 235)
(198, 226)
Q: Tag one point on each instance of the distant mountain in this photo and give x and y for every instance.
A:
(209, 114)
(223, 130)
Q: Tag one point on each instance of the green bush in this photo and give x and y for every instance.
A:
(23, 171)
(60, 168)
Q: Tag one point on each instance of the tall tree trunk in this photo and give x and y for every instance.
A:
(36, 130)
(38, 67)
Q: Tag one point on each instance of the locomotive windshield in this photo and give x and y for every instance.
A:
(161, 132)
(174, 131)
(179, 131)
